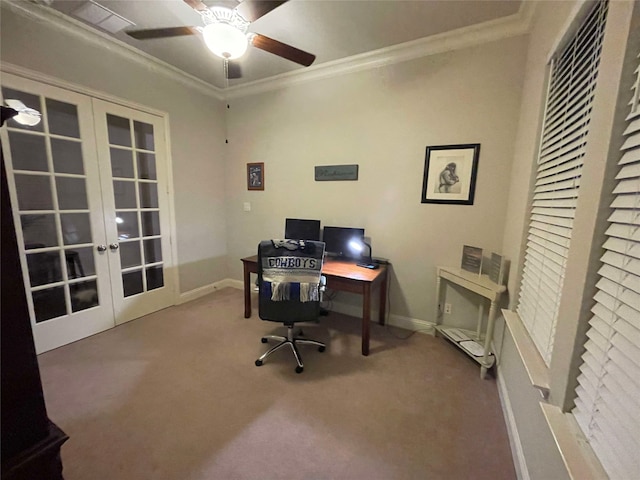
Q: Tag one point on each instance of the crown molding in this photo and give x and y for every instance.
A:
(86, 33)
(19, 71)
(513, 25)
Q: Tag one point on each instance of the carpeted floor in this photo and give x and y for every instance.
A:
(176, 395)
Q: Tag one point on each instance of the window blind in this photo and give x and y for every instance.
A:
(574, 70)
(608, 395)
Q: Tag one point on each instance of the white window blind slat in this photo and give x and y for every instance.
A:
(634, 126)
(622, 262)
(573, 143)
(620, 311)
(622, 246)
(632, 141)
(630, 156)
(626, 186)
(624, 295)
(573, 76)
(626, 201)
(554, 212)
(621, 277)
(561, 222)
(629, 171)
(626, 382)
(568, 135)
(560, 175)
(572, 183)
(628, 232)
(607, 403)
(630, 216)
(574, 161)
(555, 229)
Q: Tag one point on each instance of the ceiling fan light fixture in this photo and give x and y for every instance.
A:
(225, 40)
(25, 116)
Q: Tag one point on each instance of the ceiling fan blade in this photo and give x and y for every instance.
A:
(233, 70)
(282, 50)
(197, 5)
(152, 33)
(251, 10)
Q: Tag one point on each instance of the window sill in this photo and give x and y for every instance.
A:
(577, 455)
(536, 368)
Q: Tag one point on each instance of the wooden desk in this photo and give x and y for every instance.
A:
(343, 276)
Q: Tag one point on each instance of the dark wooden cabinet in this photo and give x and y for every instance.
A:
(30, 441)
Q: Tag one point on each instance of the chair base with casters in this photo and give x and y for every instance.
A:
(292, 341)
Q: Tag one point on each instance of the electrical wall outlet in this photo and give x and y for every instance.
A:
(447, 308)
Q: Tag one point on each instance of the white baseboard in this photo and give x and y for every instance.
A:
(517, 453)
(413, 324)
(407, 323)
(207, 289)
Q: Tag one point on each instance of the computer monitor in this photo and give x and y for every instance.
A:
(337, 240)
(301, 229)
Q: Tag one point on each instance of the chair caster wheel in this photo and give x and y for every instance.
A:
(258, 363)
(299, 369)
(264, 340)
(321, 349)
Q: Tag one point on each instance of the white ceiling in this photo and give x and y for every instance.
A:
(330, 29)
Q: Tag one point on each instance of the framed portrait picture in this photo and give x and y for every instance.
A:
(450, 174)
(255, 176)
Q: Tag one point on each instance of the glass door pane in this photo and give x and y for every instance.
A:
(51, 167)
(135, 195)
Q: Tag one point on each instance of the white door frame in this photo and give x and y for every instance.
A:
(57, 82)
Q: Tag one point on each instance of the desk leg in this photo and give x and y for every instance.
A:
(366, 318)
(247, 292)
(383, 301)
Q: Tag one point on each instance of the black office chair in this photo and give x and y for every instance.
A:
(290, 290)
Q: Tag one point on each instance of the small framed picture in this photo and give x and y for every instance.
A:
(471, 259)
(255, 176)
(450, 174)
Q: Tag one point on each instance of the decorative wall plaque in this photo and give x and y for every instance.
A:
(327, 173)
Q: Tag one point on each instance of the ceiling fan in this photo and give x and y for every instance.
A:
(225, 33)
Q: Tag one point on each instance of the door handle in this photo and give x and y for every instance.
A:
(101, 248)
(113, 246)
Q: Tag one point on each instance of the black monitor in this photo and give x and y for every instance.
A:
(300, 229)
(337, 240)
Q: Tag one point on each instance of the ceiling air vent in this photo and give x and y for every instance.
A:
(101, 17)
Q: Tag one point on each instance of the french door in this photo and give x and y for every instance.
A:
(89, 195)
(132, 160)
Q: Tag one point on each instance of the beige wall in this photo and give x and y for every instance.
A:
(382, 120)
(196, 128)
